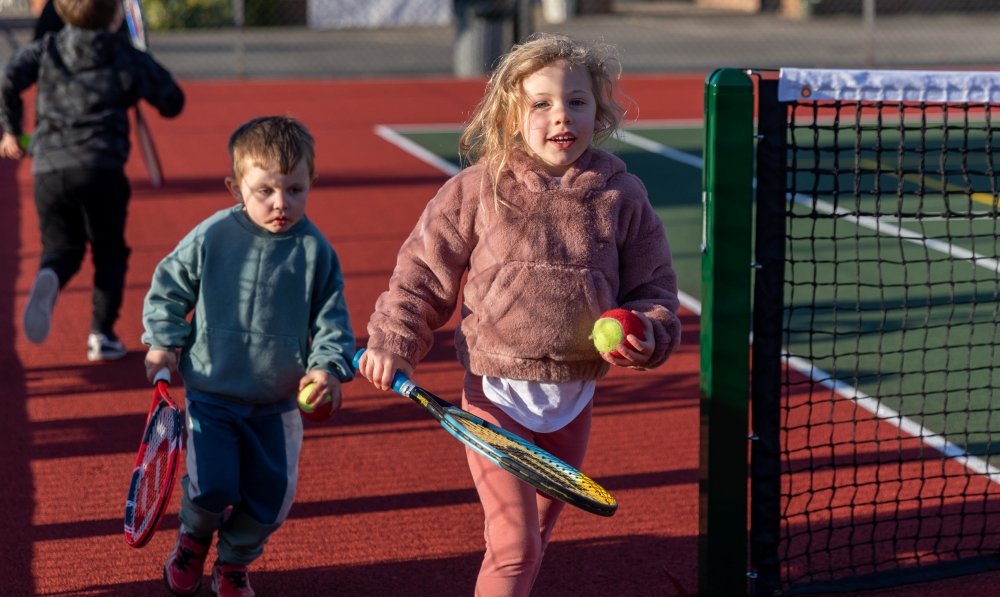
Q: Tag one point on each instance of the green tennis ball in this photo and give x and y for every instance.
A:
(612, 329)
(24, 141)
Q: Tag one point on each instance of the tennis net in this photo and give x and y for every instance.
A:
(876, 372)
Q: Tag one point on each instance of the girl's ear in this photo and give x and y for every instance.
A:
(234, 188)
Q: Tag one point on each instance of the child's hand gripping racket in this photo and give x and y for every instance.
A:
(521, 458)
(135, 18)
(155, 467)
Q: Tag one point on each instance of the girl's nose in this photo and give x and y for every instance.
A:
(561, 116)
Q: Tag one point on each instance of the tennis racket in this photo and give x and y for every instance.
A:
(135, 19)
(517, 456)
(155, 467)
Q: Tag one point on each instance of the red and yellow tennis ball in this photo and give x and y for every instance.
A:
(612, 329)
(319, 413)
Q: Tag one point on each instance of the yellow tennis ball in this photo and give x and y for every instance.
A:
(304, 395)
(321, 412)
(608, 334)
(613, 328)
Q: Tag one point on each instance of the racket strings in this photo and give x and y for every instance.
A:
(154, 468)
(532, 457)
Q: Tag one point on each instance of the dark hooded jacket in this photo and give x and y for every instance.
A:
(87, 80)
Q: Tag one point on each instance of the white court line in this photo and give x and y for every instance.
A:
(880, 411)
(876, 224)
(973, 463)
(881, 227)
(668, 152)
(416, 150)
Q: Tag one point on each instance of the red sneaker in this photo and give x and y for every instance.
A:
(184, 568)
(231, 580)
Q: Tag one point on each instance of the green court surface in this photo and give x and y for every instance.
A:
(895, 292)
(927, 320)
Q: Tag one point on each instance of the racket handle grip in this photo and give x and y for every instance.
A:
(162, 375)
(401, 384)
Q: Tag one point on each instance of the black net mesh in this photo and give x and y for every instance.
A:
(889, 412)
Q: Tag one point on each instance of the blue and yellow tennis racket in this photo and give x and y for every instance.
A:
(519, 457)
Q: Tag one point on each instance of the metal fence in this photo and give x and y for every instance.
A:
(367, 38)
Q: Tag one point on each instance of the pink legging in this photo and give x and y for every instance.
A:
(519, 519)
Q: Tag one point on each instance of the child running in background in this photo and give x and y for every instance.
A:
(269, 318)
(552, 232)
(88, 77)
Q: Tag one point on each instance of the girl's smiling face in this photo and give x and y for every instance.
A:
(561, 116)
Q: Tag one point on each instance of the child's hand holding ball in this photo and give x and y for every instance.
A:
(319, 396)
(624, 338)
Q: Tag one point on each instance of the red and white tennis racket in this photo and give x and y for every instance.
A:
(155, 467)
(135, 18)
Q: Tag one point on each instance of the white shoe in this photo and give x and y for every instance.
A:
(102, 348)
(37, 320)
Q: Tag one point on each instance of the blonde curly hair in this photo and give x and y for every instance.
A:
(494, 130)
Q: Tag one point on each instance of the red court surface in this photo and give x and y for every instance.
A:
(386, 505)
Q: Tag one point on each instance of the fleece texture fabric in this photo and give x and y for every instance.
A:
(544, 259)
(267, 308)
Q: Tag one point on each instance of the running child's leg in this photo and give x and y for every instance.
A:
(104, 197)
(212, 483)
(569, 444)
(519, 520)
(270, 460)
(63, 244)
(61, 222)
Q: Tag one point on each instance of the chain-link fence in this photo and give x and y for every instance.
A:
(350, 38)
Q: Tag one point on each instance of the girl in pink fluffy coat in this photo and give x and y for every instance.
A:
(552, 232)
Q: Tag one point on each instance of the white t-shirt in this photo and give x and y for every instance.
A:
(541, 407)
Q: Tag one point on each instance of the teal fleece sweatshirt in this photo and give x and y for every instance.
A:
(267, 308)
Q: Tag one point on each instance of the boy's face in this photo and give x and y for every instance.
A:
(272, 200)
(561, 118)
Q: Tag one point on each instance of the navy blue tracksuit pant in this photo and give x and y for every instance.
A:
(245, 460)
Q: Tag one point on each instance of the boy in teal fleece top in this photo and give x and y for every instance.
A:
(269, 318)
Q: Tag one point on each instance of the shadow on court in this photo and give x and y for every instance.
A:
(601, 561)
(15, 463)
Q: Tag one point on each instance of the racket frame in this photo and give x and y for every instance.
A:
(445, 413)
(161, 401)
(135, 19)
(150, 157)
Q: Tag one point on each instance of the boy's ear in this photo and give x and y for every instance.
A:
(312, 182)
(234, 188)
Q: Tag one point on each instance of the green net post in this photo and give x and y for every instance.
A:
(725, 331)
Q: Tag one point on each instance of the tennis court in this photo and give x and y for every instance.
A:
(385, 504)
